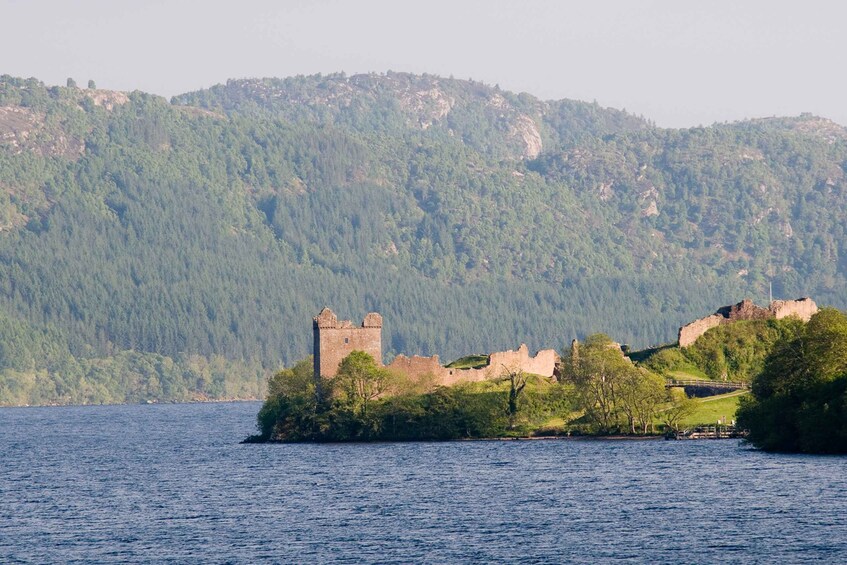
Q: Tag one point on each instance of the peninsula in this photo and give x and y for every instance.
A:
(344, 392)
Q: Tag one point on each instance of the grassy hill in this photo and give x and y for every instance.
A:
(713, 408)
(731, 352)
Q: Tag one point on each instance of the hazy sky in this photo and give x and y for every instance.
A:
(677, 62)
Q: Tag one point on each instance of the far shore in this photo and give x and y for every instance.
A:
(521, 438)
(146, 403)
(567, 437)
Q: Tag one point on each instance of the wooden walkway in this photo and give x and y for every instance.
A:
(708, 432)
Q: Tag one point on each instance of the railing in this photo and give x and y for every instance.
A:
(728, 385)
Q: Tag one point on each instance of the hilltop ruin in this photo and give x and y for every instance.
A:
(803, 308)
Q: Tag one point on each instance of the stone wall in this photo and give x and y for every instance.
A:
(689, 333)
(334, 340)
(544, 362)
(415, 367)
(803, 308)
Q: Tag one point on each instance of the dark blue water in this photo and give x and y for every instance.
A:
(170, 483)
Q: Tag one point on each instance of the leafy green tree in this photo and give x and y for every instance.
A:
(596, 367)
(610, 387)
(641, 395)
(799, 402)
(681, 407)
(290, 409)
(359, 381)
(295, 380)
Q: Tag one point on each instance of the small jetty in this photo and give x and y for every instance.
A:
(708, 432)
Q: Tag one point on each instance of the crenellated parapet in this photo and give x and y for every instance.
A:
(326, 319)
(372, 320)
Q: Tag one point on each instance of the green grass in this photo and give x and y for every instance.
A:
(644, 354)
(688, 373)
(712, 408)
(555, 426)
(469, 362)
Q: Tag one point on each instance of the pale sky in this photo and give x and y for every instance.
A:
(679, 63)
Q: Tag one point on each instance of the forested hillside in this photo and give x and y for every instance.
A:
(154, 249)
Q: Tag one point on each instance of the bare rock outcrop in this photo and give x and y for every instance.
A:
(107, 98)
(23, 129)
(525, 129)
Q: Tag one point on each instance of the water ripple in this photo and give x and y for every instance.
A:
(171, 484)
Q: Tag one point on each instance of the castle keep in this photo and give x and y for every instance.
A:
(334, 340)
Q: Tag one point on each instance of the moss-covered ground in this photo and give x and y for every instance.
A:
(469, 362)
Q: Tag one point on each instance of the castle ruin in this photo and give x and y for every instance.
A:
(334, 340)
(802, 308)
(500, 362)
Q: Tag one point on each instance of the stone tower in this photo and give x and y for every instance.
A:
(334, 340)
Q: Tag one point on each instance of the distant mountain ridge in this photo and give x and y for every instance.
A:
(156, 250)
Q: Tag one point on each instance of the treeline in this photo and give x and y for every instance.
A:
(133, 377)
(799, 401)
(38, 368)
(219, 223)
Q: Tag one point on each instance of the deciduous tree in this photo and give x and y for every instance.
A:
(595, 368)
(517, 380)
(360, 381)
(681, 408)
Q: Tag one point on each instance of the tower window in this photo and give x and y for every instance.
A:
(346, 340)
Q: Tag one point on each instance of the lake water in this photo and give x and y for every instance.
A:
(171, 483)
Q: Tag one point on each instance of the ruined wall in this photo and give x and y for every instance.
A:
(418, 369)
(415, 367)
(544, 362)
(689, 333)
(334, 340)
(745, 310)
(803, 308)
